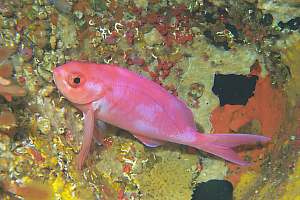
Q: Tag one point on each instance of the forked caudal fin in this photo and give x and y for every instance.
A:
(221, 145)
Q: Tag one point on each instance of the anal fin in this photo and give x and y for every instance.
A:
(148, 141)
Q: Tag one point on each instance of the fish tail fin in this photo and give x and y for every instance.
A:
(221, 145)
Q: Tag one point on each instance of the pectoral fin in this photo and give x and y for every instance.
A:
(148, 141)
(87, 137)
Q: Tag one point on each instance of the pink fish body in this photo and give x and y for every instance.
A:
(127, 100)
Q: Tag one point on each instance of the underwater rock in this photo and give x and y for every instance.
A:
(4, 81)
(153, 37)
(203, 62)
(32, 191)
(267, 19)
(62, 6)
(241, 188)
(67, 31)
(290, 57)
(39, 34)
(281, 10)
(234, 89)
(98, 5)
(26, 53)
(5, 9)
(291, 191)
(292, 24)
(6, 69)
(8, 89)
(141, 3)
(11, 90)
(6, 53)
(54, 128)
(7, 123)
(213, 190)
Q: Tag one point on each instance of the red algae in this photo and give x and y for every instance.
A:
(182, 39)
(135, 60)
(165, 65)
(129, 35)
(127, 168)
(112, 39)
(178, 10)
(153, 18)
(267, 106)
(163, 29)
(37, 156)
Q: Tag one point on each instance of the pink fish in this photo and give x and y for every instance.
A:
(127, 100)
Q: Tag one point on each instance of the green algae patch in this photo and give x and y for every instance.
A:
(170, 178)
(212, 169)
(293, 184)
(67, 31)
(246, 180)
(291, 58)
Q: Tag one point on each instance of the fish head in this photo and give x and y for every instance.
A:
(79, 82)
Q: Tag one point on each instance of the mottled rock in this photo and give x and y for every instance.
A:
(153, 37)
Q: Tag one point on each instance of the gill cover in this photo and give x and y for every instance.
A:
(79, 82)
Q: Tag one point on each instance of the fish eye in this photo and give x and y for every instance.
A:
(75, 80)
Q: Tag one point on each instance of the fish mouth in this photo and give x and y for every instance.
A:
(57, 75)
(53, 78)
(58, 78)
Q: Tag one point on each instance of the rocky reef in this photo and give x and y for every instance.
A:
(181, 45)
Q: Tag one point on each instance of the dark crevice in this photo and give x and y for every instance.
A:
(234, 89)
